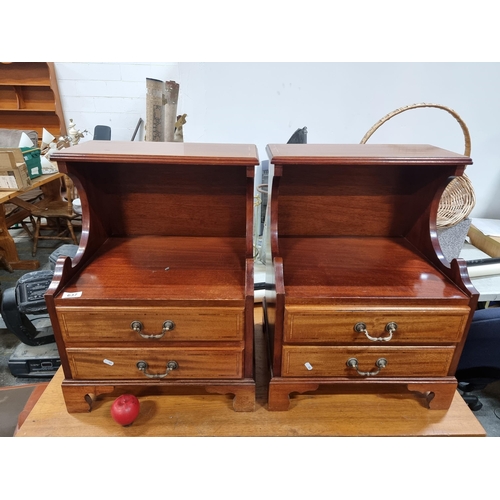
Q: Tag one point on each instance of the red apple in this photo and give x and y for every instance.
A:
(125, 409)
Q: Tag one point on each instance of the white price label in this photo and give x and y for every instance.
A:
(108, 362)
(308, 366)
(71, 295)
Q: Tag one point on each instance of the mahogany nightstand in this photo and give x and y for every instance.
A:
(359, 295)
(159, 298)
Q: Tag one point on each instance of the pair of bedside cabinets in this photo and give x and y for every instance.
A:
(159, 298)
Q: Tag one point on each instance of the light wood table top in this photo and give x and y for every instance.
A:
(395, 414)
(6, 195)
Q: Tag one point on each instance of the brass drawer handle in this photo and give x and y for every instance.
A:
(391, 327)
(143, 366)
(380, 363)
(137, 326)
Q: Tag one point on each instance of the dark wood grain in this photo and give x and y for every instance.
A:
(362, 154)
(353, 226)
(374, 410)
(162, 269)
(351, 200)
(150, 153)
(361, 268)
(167, 230)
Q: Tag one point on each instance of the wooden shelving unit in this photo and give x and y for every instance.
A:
(29, 98)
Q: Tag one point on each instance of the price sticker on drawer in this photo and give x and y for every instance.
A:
(108, 362)
(308, 366)
(71, 295)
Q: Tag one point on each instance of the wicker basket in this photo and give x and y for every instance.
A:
(458, 198)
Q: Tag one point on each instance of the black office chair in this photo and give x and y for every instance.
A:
(299, 136)
(102, 133)
(479, 363)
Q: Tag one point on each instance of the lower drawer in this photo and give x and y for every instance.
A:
(122, 363)
(331, 361)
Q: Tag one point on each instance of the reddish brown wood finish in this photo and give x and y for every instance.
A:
(166, 235)
(353, 231)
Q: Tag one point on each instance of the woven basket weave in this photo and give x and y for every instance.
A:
(458, 198)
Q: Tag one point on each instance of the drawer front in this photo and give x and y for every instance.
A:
(337, 325)
(331, 361)
(95, 324)
(107, 364)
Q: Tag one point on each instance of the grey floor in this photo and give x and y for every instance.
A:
(488, 415)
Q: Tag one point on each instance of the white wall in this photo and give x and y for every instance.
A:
(262, 103)
(112, 94)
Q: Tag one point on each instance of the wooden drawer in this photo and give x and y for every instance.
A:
(330, 361)
(193, 363)
(336, 324)
(105, 324)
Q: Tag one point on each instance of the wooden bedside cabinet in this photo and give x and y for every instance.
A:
(159, 298)
(359, 295)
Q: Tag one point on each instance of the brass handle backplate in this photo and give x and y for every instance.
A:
(143, 367)
(391, 327)
(167, 326)
(380, 363)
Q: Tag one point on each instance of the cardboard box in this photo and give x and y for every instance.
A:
(488, 244)
(30, 156)
(13, 174)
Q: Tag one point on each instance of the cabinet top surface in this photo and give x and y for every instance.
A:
(160, 152)
(362, 153)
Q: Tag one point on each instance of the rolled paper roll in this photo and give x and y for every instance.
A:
(484, 270)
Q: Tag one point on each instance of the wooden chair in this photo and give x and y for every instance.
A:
(59, 215)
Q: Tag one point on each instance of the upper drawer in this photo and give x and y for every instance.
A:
(427, 325)
(94, 324)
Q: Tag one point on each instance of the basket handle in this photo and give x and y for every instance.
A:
(390, 115)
